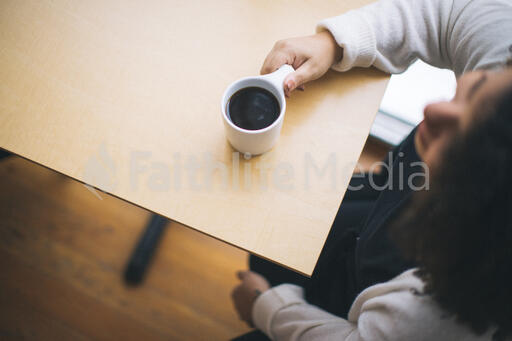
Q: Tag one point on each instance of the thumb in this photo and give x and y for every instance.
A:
(299, 77)
(241, 274)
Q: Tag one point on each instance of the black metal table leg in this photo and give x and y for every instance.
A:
(144, 250)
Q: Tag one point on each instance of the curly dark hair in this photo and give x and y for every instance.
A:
(460, 231)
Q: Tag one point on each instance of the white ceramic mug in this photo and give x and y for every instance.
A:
(256, 142)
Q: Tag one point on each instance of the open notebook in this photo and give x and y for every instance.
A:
(407, 94)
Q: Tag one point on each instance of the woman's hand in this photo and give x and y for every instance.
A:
(310, 56)
(244, 295)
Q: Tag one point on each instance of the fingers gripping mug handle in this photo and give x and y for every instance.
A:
(277, 77)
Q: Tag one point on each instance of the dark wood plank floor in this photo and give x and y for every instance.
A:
(62, 252)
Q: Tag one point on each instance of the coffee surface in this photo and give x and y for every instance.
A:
(253, 108)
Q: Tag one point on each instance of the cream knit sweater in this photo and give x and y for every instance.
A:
(390, 311)
(460, 35)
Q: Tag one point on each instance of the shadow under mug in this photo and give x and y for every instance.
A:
(255, 142)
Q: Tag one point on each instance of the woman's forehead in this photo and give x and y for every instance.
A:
(495, 86)
(485, 98)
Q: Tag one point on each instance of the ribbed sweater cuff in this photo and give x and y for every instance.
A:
(273, 300)
(355, 35)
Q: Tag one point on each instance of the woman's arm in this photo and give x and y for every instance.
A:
(283, 314)
(386, 311)
(460, 35)
(392, 34)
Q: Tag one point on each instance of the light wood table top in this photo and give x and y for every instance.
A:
(125, 96)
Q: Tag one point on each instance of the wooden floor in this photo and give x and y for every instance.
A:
(62, 252)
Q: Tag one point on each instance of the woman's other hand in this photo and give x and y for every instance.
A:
(244, 295)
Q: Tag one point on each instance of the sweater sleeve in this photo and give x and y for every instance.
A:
(387, 311)
(283, 314)
(460, 35)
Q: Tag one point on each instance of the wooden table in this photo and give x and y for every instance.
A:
(125, 96)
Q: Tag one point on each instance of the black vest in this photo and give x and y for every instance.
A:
(364, 256)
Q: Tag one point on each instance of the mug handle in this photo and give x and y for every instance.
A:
(277, 77)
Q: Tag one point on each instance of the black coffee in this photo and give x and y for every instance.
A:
(253, 108)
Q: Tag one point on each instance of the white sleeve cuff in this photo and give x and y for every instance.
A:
(355, 35)
(273, 300)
